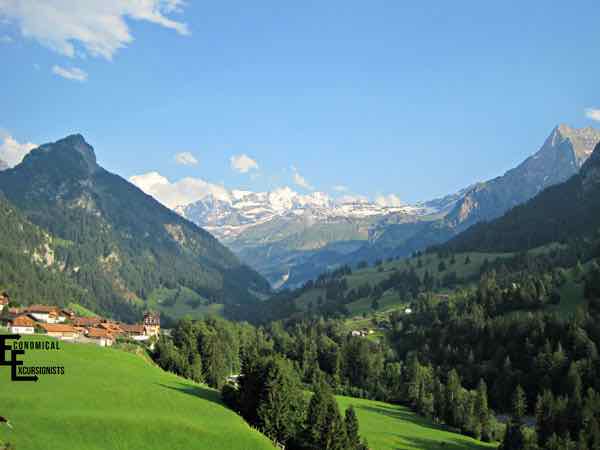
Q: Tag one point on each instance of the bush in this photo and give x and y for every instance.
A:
(231, 396)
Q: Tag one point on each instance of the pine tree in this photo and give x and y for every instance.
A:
(482, 412)
(281, 405)
(514, 438)
(519, 405)
(324, 427)
(351, 424)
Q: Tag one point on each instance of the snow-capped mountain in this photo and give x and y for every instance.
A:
(229, 216)
(291, 237)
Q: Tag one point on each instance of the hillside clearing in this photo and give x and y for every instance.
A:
(392, 427)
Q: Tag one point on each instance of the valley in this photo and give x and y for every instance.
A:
(291, 238)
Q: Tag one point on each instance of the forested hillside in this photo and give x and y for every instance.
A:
(28, 268)
(113, 240)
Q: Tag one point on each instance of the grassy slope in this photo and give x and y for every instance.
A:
(81, 311)
(184, 305)
(391, 427)
(391, 300)
(110, 399)
(571, 294)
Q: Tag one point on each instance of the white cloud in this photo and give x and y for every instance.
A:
(6, 40)
(242, 163)
(94, 27)
(299, 180)
(593, 113)
(388, 200)
(341, 188)
(73, 73)
(186, 159)
(179, 193)
(12, 152)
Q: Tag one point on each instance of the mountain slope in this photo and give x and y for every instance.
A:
(282, 233)
(110, 399)
(560, 157)
(28, 263)
(559, 213)
(290, 238)
(118, 240)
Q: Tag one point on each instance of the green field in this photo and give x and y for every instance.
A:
(391, 427)
(112, 400)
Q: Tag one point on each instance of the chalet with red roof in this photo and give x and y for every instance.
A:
(4, 301)
(22, 325)
(60, 331)
(152, 323)
(45, 313)
(100, 336)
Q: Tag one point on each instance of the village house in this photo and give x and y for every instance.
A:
(22, 325)
(4, 301)
(44, 313)
(69, 314)
(85, 322)
(100, 336)
(60, 331)
(113, 328)
(361, 333)
(135, 332)
(152, 323)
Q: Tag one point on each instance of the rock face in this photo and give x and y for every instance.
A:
(118, 241)
(560, 157)
(561, 212)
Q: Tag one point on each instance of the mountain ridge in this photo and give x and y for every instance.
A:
(120, 242)
(557, 214)
(290, 238)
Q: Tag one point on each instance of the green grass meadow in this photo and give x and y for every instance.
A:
(113, 400)
(391, 427)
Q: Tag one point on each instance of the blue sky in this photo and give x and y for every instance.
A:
(382, 97)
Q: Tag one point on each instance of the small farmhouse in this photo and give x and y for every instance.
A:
(135, 332)
(4, 301)
(100, 336)
(22, 325)
(60, 331)
(112, 327)
(152, 323)
(44, 313)
(87, 321)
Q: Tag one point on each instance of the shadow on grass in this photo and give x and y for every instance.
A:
(197, 391)
(441, 444)
(406, 415)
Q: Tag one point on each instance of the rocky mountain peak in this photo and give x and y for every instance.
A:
(71, 154)
(582, 140)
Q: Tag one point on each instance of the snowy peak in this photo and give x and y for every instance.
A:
(227, 216)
